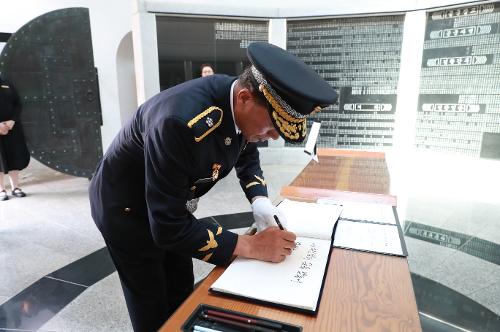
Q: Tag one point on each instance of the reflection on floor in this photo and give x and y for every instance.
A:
(443, 309)
(486, 250)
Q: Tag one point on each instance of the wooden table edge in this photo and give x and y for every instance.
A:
(312, 194)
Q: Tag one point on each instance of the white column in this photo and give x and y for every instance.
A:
(409, 81)
(400, 159)
(277, 36)
(277, 32)
(145, 54)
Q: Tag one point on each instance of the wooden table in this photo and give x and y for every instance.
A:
(362, 291)
(346, 175)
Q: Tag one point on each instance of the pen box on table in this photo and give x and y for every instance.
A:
(195, 319)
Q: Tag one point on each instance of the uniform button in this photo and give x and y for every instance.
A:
(127, 209)
(193, 188)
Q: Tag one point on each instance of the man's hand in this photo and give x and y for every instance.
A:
(10, 124)
(264, 212)
(4, 128)
(272, 245)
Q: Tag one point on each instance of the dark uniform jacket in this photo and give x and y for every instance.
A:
(14, 154)
(175, 148)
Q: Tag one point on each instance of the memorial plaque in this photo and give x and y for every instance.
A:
(459, 104)
(360, 58)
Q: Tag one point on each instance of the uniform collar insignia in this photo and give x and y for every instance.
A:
(209, 122)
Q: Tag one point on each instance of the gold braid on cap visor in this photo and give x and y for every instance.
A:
(290, 123)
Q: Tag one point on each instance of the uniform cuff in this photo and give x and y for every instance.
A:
(256, 190)
(226, 243)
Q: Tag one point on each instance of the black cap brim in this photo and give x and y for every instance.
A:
(292, 88)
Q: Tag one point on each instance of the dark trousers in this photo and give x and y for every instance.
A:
(154, 285)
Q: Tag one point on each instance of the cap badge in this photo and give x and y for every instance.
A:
(215, 171)
(227, 141)
(209, 122)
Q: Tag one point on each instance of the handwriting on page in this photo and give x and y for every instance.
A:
(306, 264)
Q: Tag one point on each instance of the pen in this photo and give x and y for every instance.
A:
(278, 222)
(244, 319)
(198, 328)
(234, 323)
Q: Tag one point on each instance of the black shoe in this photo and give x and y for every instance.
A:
(3, 195)
(18, 192)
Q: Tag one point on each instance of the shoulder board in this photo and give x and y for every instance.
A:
(205, 122)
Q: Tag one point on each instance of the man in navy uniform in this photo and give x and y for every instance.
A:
(175, 148)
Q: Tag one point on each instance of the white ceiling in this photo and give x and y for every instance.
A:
(293, 8)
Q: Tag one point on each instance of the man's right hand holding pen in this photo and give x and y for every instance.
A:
(271, 242)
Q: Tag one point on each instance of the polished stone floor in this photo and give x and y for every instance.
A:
(54, 275)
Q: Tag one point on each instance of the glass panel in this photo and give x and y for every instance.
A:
(360, 57)
(184, 44)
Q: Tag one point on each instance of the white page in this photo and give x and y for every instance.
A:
(368, 236)
(311, 140)
(375, 212)
(310, 219)
(294, 282)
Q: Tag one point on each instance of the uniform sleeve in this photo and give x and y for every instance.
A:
(15, 103)
(168, 149)
(13, 109)
(17, 107)
(249, 172)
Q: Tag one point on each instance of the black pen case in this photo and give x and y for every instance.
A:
(195, 319)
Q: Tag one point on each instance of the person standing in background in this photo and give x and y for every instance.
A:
(14, 154)
(207, 70)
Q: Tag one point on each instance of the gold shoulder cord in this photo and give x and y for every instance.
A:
(277, 107)
(287, 124)
(203, 114)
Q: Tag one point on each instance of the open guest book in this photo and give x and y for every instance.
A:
(370, 227)
(297, 282)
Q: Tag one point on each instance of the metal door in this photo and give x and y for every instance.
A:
(50, 63)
